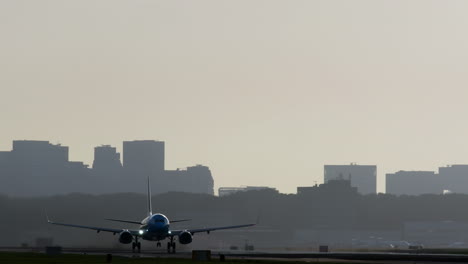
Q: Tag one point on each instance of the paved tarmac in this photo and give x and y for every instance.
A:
(381, 257)
(368, 257)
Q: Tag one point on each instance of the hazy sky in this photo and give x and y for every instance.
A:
(262, 92)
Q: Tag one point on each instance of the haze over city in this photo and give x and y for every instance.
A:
(262, 92)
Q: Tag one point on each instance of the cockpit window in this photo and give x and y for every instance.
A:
(158, 219)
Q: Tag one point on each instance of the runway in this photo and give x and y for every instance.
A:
(353, 256)
(367, 257)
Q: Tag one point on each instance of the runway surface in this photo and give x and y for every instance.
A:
(353, 256)
(367, 257)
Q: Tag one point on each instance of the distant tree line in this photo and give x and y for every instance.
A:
(25, 217)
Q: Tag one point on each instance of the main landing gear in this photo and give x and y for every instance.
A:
(136, 245)
(171, 245)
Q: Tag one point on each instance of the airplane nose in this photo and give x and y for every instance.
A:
(157, 227)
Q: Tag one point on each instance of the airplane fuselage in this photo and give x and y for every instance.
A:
(155, 227)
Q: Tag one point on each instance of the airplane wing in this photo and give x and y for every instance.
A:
(125, 221)
(180, 220)
(209, 229)
(98, 229)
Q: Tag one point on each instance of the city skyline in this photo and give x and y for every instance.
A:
(274, 88)
(142, 158)
(39, 168)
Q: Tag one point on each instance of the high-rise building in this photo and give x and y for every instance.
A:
(106, 158)
(39, 152)
(455, 178)
(413, 183)
(364, 177)
(194, 179)
(4, 155)
(143, 157)
(41, 168)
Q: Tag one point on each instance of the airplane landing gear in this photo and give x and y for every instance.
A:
(136, 245)
(171, 245)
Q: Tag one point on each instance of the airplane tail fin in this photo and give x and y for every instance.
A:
(150, 210)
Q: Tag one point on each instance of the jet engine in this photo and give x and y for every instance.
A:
(125, 237)
(185, 237)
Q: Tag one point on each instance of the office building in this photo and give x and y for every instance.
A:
(106, 158)
(455, 178)
(39, 152)
(414, 183)
(363, 177)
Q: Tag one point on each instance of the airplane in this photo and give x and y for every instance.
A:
(155, 227)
